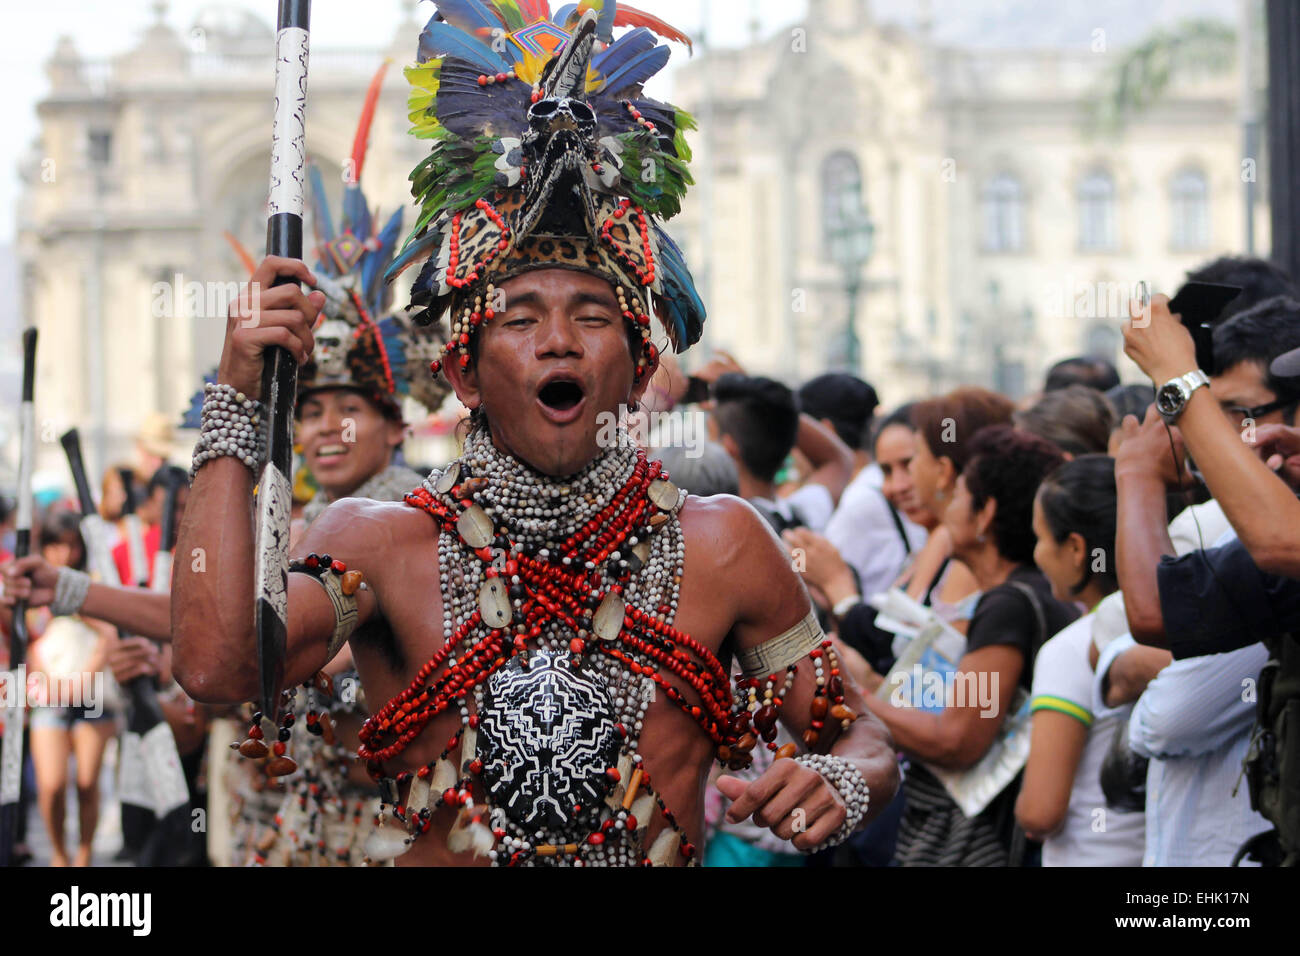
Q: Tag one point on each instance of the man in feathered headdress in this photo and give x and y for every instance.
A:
(554, 669)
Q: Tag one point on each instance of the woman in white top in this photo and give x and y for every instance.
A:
(1061, 801)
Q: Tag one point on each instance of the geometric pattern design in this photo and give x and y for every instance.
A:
(546, 738)
(540, 39)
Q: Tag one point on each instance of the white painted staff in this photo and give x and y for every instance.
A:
(280, 371)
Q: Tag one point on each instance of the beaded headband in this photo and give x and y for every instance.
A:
(545, 154)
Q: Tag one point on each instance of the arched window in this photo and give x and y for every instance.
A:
(1097, 212)
(1189, 210)
(1003, 203)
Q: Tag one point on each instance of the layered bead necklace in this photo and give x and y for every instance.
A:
(558, 601)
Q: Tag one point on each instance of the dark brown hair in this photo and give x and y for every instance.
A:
(948, 423)
(1076, 419)
(1007, 466)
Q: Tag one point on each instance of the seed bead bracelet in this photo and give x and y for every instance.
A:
(849, 783)
(231, 425)
(69, 592)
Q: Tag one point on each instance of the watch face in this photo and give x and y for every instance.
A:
(1169, 400)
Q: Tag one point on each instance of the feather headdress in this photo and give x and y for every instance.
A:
(544, 154)
(361, 343)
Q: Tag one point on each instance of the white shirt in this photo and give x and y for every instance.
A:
(1194, 722)
(812, 501)
(864, 532)
(1196, 527)
(1092, 833)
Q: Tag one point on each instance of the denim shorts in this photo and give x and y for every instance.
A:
(63, 718)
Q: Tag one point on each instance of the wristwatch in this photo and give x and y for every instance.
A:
(1172, 397)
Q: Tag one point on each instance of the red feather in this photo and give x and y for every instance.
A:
(363, 125)
(625, 16)
(240, 251)
(534, 10)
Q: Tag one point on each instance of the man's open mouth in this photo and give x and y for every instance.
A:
(560, 395)
(330, 451)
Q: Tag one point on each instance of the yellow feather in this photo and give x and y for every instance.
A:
(424, 80)
(529, 69)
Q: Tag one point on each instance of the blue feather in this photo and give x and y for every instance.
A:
(322, 224)
(372, 267)
(441, 39)
(413, 251)
(638, 69)
(469, 15)
(390, 332)
(622, 50)
(560, 17)
(683, 305)
(605, 21)
(356, 214)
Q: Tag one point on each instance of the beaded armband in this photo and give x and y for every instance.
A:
(778, 653)
(341, 585)
(764, 698)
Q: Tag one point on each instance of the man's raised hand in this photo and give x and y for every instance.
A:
(30, 579)
(1152, 449)
(1279, 446)
(793, 801)
(1158, 342)
(264, 317)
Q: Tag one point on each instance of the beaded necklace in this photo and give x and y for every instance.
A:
(558, 598)
(573, 585)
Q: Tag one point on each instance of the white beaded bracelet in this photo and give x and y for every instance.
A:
(69, 592)
(849, 783)
(230, 426)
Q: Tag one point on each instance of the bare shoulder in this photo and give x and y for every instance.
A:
(727, 533)
(726, 523)
(364, 528)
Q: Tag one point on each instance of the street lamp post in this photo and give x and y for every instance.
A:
(851, 239)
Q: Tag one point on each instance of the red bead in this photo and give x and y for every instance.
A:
(596, 839)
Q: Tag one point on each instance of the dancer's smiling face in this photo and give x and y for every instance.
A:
(550, 367)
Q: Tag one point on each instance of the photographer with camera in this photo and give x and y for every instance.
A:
(1213, 607)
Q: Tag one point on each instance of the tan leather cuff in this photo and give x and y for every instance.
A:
(345, 610)
(777, 653)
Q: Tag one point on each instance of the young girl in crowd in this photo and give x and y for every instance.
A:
(71, 655)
